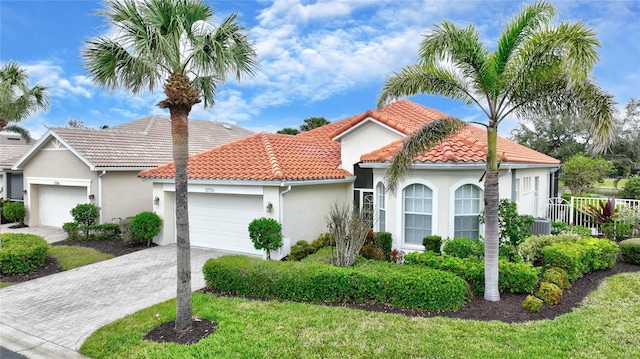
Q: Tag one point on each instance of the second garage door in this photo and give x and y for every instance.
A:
(221, 221)
(56, 202)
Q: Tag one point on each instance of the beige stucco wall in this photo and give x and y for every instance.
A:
(305, 208)
(367, 137)
(124, 195)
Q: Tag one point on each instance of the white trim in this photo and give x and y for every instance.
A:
(41, 142)
(243, 183)
(400, 212)
(452, 199)
(77, 182)
(365, 121)
(461, 165)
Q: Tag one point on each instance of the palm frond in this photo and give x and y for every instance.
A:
(424, 138)
(24, 133)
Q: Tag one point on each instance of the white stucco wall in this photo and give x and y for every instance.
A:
(366, 137)
(124, 195)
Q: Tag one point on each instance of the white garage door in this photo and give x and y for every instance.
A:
(221, 221)
(56, 203)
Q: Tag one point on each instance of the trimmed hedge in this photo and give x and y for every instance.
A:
(22, 253)
(464, 248)
(313, 282)
(531, 248)
(513, 277)
(302, 249)
(630, 250)
(95, 232)
(582, 256)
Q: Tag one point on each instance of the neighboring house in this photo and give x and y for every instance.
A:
(295, 179)
(69, 166)
(12, 147)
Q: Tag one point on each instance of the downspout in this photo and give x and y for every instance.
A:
(281, 205)
(100, 194)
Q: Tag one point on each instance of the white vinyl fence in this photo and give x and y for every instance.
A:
(559, 210)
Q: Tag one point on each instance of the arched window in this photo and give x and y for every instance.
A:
(467, 212)
(382, 208)
(418, 212)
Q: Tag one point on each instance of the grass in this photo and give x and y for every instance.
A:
(70, 257)
(606, 326)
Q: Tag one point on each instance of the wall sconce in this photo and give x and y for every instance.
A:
(24, 191)
(269, 207)
(156, 200)
(91, 196)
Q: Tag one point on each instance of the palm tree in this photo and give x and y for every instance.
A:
(174, 42)
(313, 122)
(536, 68)
(18, 101)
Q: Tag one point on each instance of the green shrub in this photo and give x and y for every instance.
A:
(384, 241)
(617, 231)
(126, 231)
(14, 211)
(559, 227)
(514, 227)
(509, 252)
(513, 277)
(557, 276)
(323, 240)
(582, 256)
(323, 255)
(432, 243)
(22, 253)
(631, 188)
(549, 293)
(464, 248)
(85, 215)
(630, 250)
(103, 231)
(266, 234)
(581, 231)
(531, 248)
(73, 233)
(532, 304)
(146, 225)
(313, 282)
(300, 250)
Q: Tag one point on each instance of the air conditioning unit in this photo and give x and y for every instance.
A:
(541, 227)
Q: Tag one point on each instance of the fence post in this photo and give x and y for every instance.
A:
(571, 211)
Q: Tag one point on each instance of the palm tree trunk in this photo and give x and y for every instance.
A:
(180, 135)
(491, 200)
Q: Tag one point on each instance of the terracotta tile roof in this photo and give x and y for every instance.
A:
(468, 146)
(12, 147)
(315, 155)
(264, 156)
(145, 142)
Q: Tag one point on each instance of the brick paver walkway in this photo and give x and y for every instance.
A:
(65, 308)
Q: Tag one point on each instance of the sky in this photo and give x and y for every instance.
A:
(319, 58)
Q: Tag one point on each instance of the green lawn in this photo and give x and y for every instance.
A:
(606, 326)
(70, 257)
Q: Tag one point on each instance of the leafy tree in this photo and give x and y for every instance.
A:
(313, 122)
(85, 214)
(581, 172)
(624, 152)
(146, 225)
(631, 188)
(18, 101)
(14, 211)
(537, 68)
(288, 131)
(560, 137)
(173, 43)
(266, 233)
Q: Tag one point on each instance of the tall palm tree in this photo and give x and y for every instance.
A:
(536, 68)
(174, 42)
(18, 101)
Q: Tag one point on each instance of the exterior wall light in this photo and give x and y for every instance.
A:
(156, 200)
(269, 207)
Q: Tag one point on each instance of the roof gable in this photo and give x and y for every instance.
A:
(143, 143)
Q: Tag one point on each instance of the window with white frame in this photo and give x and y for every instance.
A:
(382, 208)
(526, 185)
(418, 212)
(467, 212)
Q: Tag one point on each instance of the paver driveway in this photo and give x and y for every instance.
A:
(65, 308)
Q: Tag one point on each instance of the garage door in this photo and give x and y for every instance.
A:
(221, 221)
(56, 203)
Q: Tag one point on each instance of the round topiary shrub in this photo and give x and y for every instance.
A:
(22, 253)
(557, 276)
(432, 243)
(630, 250)
(532, 304)
(265, 233)
(145, 225)
(464, 248)
(14, 211)
(549, 293)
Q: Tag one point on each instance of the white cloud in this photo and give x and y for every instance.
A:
(52, 76)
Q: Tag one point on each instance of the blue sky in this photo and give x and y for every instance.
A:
(317, 58)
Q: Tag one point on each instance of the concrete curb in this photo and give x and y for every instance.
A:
(34, 347)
